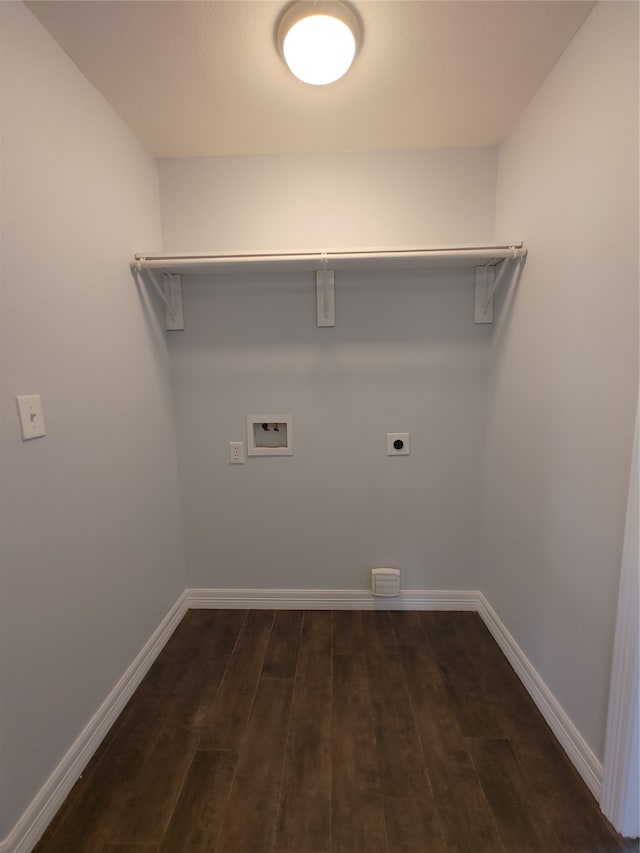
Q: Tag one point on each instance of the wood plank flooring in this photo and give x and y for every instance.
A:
(332, 732)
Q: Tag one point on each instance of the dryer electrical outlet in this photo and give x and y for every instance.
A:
(398, 444)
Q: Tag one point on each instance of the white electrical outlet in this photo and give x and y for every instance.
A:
(236, 452)
(398, 444)
(31, 419)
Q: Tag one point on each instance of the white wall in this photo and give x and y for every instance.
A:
(565, 366)
(404, 356)
(91, 535)
(328, 201)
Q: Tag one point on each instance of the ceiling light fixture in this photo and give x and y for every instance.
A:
(318, 40)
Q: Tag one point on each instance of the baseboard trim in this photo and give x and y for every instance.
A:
(580, 753)
(26, 833)
(331, 599)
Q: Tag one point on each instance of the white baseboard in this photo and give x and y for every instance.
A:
(35, 819)
(26, 833)
(331, 599)
(580, 753)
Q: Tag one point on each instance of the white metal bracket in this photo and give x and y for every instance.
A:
(174, 314)
(485, 288)
(170, 292)
(325, 296)
(488, 282)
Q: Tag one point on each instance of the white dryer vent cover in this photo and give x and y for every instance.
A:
(385, 581)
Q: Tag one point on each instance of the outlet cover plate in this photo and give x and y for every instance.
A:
(398, 437)
(236, 452)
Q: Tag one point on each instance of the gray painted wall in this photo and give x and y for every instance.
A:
(404, 356)
(91, 534)
(91, 538)
(564, 378)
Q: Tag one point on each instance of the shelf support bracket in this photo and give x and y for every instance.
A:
(485, 289)
(174, 314)
(170, 292)
(325, 295)
(487, 284)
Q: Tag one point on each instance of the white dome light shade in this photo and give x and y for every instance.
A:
(318, 45)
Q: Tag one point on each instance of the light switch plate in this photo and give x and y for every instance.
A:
(30, 414)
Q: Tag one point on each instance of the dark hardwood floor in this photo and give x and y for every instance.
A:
(332, 732)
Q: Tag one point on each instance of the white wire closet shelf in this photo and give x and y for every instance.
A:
(489, 261)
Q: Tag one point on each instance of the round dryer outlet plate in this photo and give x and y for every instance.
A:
(398, 444)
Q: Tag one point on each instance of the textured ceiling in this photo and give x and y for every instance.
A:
(204, 78)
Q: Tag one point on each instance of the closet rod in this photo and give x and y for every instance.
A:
(471, 255)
